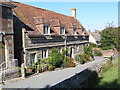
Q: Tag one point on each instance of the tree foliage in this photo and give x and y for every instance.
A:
(110, 38)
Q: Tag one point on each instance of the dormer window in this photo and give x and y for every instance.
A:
(83, 31)
(62, 30)
(75, 31)
(46, 29)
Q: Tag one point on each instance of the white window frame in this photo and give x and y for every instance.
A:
(44, 53)
(62, 29)
(74, 31)
(47, 27)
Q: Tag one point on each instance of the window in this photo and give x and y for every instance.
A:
(74, 31)
(60, 50)
(83, 31)
(46, 29)
(62, 30)
(32, 58)
(44, 53)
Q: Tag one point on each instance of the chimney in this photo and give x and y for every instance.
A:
(89, 31)
(73, 12)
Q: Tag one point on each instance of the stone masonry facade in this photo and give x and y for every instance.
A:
(7, 32)
(36, 34)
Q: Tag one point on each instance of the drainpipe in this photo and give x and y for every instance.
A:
(23, 45)
(65, 48)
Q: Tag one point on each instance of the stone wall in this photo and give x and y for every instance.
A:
(11, 75)
(82, 79)
(8, 38)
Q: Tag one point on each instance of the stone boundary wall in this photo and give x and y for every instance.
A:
(82, 79)
(11, 75)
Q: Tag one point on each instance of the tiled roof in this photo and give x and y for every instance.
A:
(8, 4)
(96, 35)
(33, 16)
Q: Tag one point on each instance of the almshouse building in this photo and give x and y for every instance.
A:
(38, 30)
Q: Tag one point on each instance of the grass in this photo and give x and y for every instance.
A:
(109, 79)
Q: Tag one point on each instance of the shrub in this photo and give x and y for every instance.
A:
(50, 67)
(86, 57)
(97, 53)
(65, 52)
(55, 59)
(30, 68)
(107, 48)
(79, 58)
(92, 45)
(18, 68)
(69, 62)
(88, 50)
(38, 67)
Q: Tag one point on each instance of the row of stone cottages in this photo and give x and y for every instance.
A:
(28, 33)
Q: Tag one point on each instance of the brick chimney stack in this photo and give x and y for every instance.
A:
(73, 12)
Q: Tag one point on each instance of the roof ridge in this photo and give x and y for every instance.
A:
(43, 9)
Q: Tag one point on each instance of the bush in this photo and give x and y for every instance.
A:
(86, 57)
(108, 47)
(88, 50)
(18, 68)
(50, 67)
(79, 58)
(55, 59)
(38, 67)
(30, 69)
(97, 53)
(92, 45)
(69, 62)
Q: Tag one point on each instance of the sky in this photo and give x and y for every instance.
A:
(92, 15)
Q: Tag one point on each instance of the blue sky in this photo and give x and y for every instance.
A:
(92, 15)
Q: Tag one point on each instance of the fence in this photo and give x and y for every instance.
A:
(7, 67)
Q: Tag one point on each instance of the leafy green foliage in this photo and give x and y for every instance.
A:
(55, 59)
(110, 38)
(31, 67)
(97, 53)
(50, 67)
(18, 68)
(92, 45)
(88, 50)
(82, 58)
(79, 58)
(65, 52)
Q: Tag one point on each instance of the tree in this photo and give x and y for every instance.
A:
(109, 36)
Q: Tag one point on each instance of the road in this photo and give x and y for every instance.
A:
(51, 78)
